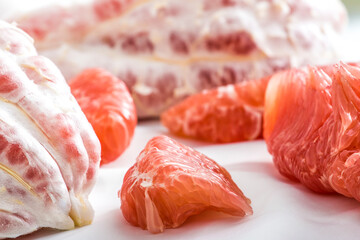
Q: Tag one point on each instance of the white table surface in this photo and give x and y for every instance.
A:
(283, 210)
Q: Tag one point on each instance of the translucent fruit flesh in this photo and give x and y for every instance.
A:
(312, 129)
(107, 104)
(170, 182)
(225, 114)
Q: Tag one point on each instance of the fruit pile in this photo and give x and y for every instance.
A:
(170, 182)
(308, 117)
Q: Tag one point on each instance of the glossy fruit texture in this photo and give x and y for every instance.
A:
(108, 105)
(225, 114)
(170, 182)
(312, 127)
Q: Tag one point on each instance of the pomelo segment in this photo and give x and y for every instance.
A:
(225, 114)
(110, 109)
(312, 127)
(170, 182)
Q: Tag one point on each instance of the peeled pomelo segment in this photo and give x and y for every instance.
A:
(170, 182)
(225, 114)
(290, 90)
(110, 109)
(344, 172)
(297, 105)
(312, 128)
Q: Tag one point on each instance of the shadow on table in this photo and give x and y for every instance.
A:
(271, 184)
